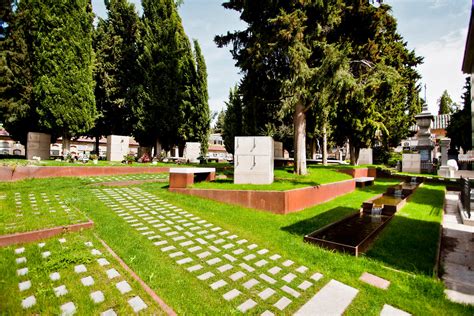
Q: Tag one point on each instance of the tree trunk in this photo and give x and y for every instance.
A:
(313, 148)
(158, 148)
(354, 152)
(66, 145)
(299, 124)
(97, 145)
(325, 145)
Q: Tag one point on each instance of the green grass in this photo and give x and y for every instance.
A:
(64, 257)
(285, 179)
(128, 177)
(412, 290)
(410, 242)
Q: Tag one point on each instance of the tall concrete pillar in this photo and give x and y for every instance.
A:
(38, 145)
(445, 170)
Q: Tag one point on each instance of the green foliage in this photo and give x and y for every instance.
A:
(460, 128)
(232, 120)
(446, 104)
(219, 127)
(62, 64)
(116, 70)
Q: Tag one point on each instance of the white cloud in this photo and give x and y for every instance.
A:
(442, 67)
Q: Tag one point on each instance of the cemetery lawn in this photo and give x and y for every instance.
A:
(285, 179)
(410, 242)
(413, 290)
(63, 259)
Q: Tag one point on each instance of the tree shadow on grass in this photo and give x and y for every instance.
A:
(309, 225)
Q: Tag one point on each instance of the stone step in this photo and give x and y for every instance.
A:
(332, 299)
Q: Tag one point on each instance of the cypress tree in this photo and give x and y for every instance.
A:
(63, 86)
(116, 69)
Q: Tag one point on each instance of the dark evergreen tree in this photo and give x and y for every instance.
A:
(460, 126)
(63, 86)
(116, 74)
(446, 104)
(232, 124)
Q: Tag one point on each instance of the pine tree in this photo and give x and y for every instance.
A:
(446, 104)
(116, 74)
(63, 86)
(460, 126)
(232, 124)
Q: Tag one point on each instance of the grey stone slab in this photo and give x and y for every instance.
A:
(316, 277)
(249, 257)
(179, 238)
(283, 302)
(388, 310)
(60, 290)
(218, 284)
(232, 237)
(96, 252)
(225, 268)
(205, 276)
(201, 241)
(289, 277)
(266, 278)
(23, 286)
(176, 254)
(374, 280)
(89, 244)
(123, 287)
(265, 294)
(238, 251)
(184, 261)
(46, 254)
(103, 262)
(262, 251)
(87, 281)
(194, 268)
(112, 273)
(231, 294)
(23, 271)
(68, 309)
(261, 263)
(275, 257)
(228, 246)
(229, 257)
(267, 313)
(41, 244)
(215, 249)
(97, 297)
(54, 276)
(109, 312)
(20, 260)
(290, 291)
(287, 263)
(28, 302)
(250, 283)
(160, 243)
(194, 249)
(62, 240)
(301, 269)
(274, 270)
(80, 268)
(189, 234)
(211, 236)
(169, 248)
(332, 299)
(137, 304)
(187, 243)
(247, 267)
(204, 254)
(245, 306)
(19, 250)
(252, 246)
(237, 275)
(305, 285)
(213, 261)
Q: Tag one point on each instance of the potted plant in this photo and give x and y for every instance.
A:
(129, 159)
(94, 158)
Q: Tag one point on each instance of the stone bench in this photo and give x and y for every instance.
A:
(184, 177)
(364, 181)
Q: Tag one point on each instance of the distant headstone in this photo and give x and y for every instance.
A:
(411, 163)
(38, 145)
(253, 160)
(117, 147)
(192, 151)
(278, 149)
(365, 156)
(447, 168)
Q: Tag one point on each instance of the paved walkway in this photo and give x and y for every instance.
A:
(457, 255)
(244, 274)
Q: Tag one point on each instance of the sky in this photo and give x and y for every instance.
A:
(435, 29)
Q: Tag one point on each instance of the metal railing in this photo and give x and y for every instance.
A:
(466, 195)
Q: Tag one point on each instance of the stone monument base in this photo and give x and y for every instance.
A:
(446, 172)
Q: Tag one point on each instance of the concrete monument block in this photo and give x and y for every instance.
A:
(117, 147)
(253, 160)
(278, 149)
(38, 145)
(411, 163)
(192, 151)
(365, 156)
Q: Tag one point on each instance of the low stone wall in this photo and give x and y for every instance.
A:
(278, 202)
(360, 172)
(28, 172)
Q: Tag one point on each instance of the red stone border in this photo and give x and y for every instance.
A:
(24, 172)
(18, 238)
(278, 202)
(360, 172)
(145, 286)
